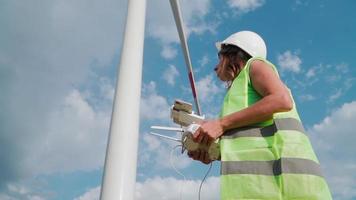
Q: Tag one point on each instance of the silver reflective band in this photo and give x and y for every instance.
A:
(279, 124)
(272, 168)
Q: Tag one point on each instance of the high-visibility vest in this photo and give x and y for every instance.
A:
(269, 160)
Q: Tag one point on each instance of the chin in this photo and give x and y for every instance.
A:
(221, 78)
(224, 78)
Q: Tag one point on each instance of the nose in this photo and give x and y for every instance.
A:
(216, 68)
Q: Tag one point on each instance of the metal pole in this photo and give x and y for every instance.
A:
(180, 27)
(119, 175)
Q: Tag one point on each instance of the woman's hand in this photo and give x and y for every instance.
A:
(202, 156)
(208, 132)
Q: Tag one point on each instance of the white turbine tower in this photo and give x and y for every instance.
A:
(119, 176)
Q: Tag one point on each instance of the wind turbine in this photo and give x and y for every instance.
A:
(119, 175)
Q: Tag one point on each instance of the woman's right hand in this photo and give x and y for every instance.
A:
(200, 155)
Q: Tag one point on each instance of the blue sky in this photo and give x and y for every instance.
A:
(58, 64)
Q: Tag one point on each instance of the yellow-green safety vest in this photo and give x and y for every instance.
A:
(270, 160)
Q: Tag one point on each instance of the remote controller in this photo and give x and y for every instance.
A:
(188, 143)
(182, 114)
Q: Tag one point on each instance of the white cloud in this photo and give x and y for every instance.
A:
(152, 142)
(153, 106)
(18, 191)
(344, 84)
(335, 96)
(153, 151)
(170, 75)
(301, 2)
(171, 188)
(306, 97)
(6, 197)
(161, 25)
(333, 78)
(61, 42)
(107, 89)
(204, 61)
(168, 52)
(161, 153)
(338, 84)
(91, 194)
(209, 94)
(167, 188)
(321, 70)
(333, 139)
(289, 61)
(311, 73)
(75, 138)
(207, 88)
(245, 6)
(342, 68)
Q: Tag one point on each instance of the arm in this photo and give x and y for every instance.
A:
(275, 98)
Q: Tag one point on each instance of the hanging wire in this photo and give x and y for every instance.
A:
(184, 178)
(176, 170)
(206, 174)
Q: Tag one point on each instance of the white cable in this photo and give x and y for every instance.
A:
(206, 174)
(180, 173)
(176, 170)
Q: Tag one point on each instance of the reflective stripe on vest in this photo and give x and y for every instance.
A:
(253, 131)
(272, 167)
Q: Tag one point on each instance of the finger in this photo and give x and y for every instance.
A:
(196, 155)
(205, 140)
(201, 122)
(210, 140)
(201, 138)
(190, 155)
(197, 137)
(207, 162)
(205, 159)
(197, 134)
(201, 155)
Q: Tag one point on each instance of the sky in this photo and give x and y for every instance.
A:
(58, 67)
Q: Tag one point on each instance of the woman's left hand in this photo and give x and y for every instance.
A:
(202, 156)
(208, 132)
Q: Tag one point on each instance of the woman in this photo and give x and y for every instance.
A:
(265, 153)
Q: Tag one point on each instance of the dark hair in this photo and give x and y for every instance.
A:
(234, 55)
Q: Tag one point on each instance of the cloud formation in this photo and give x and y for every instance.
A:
(333, 139)
(153, 106)
(75, 138)
(170, 74)
(46, 53)
(208, 88)
(161, 25)
(289, 61)
(168, 188)
(91, 194)
(245, 6)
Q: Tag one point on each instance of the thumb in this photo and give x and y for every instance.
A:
(196, 133)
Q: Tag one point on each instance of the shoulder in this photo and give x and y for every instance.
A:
(259, 66)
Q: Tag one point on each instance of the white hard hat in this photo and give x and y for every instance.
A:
(248, 41)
